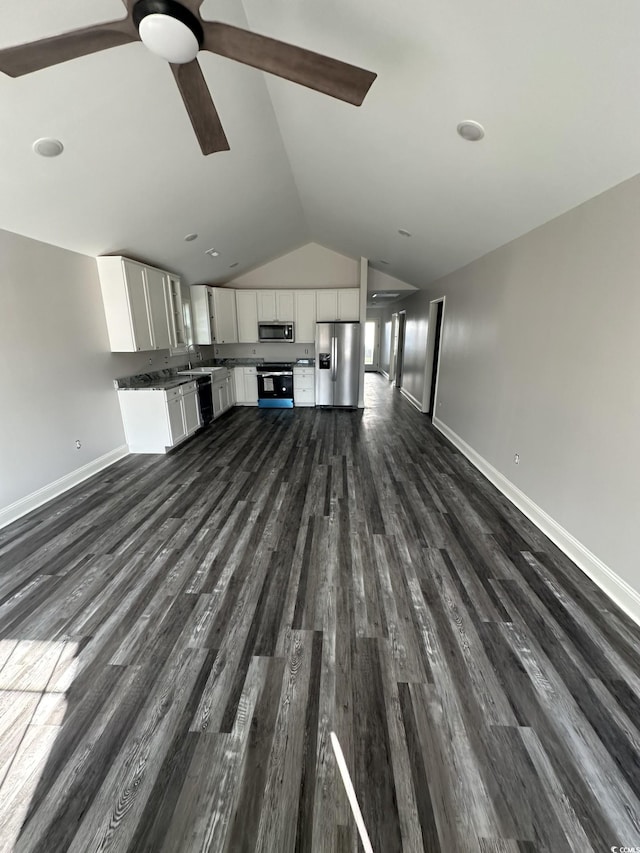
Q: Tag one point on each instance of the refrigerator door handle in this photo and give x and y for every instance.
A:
(334, 358)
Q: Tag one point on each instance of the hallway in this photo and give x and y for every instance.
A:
(179, 635)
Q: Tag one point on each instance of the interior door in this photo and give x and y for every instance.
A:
(347, 364)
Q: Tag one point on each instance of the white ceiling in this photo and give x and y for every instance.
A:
(555, 86)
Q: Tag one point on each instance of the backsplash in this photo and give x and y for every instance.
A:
(130, 363)
(269, 352)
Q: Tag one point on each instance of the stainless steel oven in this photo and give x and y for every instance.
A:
(275, 385)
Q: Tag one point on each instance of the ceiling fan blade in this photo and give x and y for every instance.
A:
(199, 103)
(338, 79)
(25, 58)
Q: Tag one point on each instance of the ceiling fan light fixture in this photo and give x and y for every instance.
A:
(169, 38)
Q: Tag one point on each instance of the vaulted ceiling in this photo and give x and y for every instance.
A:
(555, 86)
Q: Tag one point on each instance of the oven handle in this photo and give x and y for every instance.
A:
(281, 373)
(334, 356)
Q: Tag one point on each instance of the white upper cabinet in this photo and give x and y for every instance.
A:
(247, 310)
(326, 305)
(158, 307)
(226, 323)
(214, 315)
(177, 314)
(276, 306)
(135, 304)
(305, 330)
(266, 306)
(285, 306)
(343, 304)
(349, 304)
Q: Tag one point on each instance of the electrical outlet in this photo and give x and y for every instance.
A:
(78, 444)
(150, 361)
(516, 458)
(115, 384)
(199, 354)
(253, 351)
(166, 359)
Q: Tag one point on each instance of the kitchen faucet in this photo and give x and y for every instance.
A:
(189, 348)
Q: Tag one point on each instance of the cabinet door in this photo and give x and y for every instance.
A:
(173, 293)
(137, 294)
(326, 305)
(177, 428)
(250, 385)
(305, 330)
(238, 380)
(191, 407)
(202, 314)
(217, 400)
(267, 306)
(247, 313)
(285, 306)
(231, 390)
(349, 304)
(225, 322)
(157, 307)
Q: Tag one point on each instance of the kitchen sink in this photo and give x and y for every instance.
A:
(199, 370)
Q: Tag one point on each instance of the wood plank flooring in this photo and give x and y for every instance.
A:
(179, 635)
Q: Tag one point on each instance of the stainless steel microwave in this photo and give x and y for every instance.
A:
(268, 332)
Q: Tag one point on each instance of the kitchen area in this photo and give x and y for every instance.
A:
(224, 347)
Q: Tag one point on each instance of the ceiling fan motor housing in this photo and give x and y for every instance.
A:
(168, 29)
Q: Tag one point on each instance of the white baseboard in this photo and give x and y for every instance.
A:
(624, 595)
(414, 402)
(30, 502)
(384, 373)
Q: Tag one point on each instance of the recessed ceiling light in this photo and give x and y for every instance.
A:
(212, 253)
(234, 264)
(190, 237)
(472, 131)
(48, 147)
(374, 295)
(403, 232)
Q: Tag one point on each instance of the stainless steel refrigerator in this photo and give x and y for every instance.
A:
(337, 364)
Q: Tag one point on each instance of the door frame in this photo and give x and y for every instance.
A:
(392, 352)
(399, 366)
(431, 348)
(375, 367)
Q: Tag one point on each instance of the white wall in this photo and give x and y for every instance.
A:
(312, 266)
(379, 280)
(55, 368)
(540, 356)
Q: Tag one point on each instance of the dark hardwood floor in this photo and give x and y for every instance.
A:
(180, 634)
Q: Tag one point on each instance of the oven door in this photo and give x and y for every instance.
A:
(275, 386)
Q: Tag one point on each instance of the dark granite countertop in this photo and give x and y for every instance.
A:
(160, 380)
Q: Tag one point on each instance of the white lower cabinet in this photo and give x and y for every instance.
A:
(246, 386)
(191, 410)
(304, 389)
(224, 395)
(155, 420)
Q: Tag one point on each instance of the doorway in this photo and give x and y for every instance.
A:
(372, 345)
(432, 364)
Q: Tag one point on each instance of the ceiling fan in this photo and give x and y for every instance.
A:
(176, 32)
